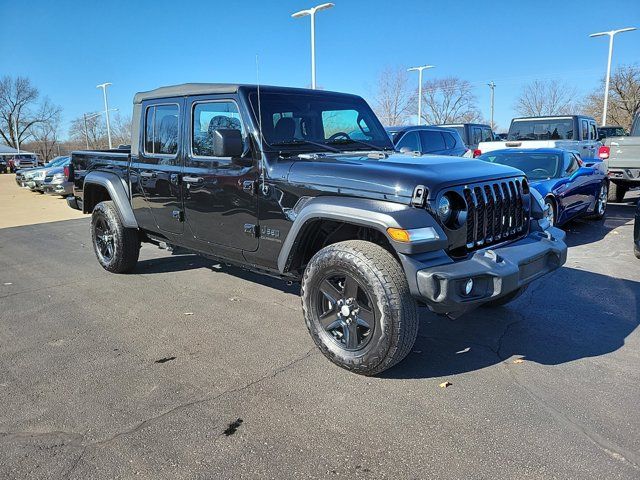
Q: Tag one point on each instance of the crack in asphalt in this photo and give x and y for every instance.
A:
(41, 288)
(154, 419)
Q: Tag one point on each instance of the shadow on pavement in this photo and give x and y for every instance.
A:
(592, 316)
(584, 231)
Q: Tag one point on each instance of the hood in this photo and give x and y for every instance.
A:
(393, 177)
(544, 187)
(54, 170)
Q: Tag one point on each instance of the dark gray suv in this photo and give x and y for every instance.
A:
(427, 140)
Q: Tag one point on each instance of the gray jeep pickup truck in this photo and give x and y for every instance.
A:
(622, 156)
(305, 185)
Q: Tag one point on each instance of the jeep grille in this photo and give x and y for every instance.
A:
(495, 212)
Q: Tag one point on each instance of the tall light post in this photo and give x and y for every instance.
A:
(420, 69)
(104, 86)
(492, 86)
(312, 12)
(89, 117)
(611, 34)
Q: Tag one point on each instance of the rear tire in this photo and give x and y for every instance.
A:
(617, 192)
(116, 247)
(600, 208)
(358, 307)
(508, 298)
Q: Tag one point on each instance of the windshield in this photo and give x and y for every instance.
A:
(56, 162)
(314, 121)
(537, 166)
(545, 129)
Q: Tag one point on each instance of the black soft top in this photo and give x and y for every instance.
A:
(212, 88)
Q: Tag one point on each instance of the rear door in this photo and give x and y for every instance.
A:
(155, 173)
(433, 142)
(220, 201)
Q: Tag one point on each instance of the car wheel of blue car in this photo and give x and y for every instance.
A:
(601, 202)
(551, 212)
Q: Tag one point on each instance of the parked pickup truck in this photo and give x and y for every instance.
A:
(622, 155)
(571, 132)
(269, 178)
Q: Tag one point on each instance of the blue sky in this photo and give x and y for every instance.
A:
(68, 47)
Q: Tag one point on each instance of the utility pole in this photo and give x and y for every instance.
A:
(611, 34)
(419, 69)
(492, 86)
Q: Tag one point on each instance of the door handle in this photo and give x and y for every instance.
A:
(194, 180)
(148, 174)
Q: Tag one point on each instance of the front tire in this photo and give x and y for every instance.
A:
(617, 192)
(358, 307)
(116, 247)
(553, 211)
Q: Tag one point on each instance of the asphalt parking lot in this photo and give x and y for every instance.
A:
(191, 369)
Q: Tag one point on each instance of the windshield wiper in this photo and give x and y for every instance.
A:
(352, 140)
(308, 142)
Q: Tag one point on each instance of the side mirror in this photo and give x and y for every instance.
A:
(406, 150)
(227, 142)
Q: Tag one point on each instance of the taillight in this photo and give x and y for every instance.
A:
(477, 153)
(604, 152)
(67, 173)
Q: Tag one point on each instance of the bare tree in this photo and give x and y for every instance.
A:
(545, 97)
(624, 97)
(20, 111)
(46, 136)
(392, 101)
(121, 129)
(448, 100)
(93, 132)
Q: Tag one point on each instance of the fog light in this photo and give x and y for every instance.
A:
(468, 286)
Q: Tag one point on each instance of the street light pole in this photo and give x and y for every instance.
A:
(106, 109)
(492, 86)
(89, 117)
(611, 34)
(312, 12)
(419, 69)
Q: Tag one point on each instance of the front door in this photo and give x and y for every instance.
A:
(155, 173)
(219, 194)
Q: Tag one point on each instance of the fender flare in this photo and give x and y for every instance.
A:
(376, 214)
(118, 191)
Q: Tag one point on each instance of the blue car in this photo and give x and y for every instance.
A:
(570, 187)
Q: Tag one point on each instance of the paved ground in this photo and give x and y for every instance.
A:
(186, 369)
(20, 206)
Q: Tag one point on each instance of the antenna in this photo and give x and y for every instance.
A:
(262, 162)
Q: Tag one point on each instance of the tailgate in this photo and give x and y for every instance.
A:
(624, 152)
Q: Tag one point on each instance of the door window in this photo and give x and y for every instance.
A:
(209, 117)
(486, 135)
(593, 131)
(449, 140)
(585, 130)
(476, 135)
(432, 141)
(410, 141)
(572, 164)
(161, 130)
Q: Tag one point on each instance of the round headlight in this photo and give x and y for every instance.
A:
(444, 209)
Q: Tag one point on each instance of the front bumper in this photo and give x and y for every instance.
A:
(63, 189)
(495, 272)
